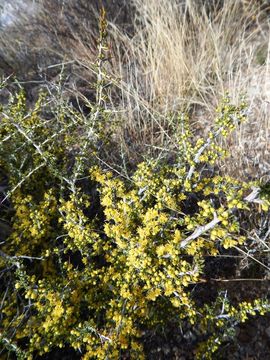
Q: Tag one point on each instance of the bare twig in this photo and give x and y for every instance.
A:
(200, 151)
(200, 230)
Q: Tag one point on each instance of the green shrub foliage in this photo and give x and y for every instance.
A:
(94, 259)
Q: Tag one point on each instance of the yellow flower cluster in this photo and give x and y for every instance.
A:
(32, 224)
(95, 279)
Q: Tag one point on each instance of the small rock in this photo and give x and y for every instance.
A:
(267, 331)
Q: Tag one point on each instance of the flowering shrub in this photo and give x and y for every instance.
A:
(93, 270)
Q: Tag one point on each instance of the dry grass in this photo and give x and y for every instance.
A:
(181, 55)
(185, 57)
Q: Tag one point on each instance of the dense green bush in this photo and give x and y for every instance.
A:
(94, 259)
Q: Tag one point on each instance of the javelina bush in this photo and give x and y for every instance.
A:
(94, 270)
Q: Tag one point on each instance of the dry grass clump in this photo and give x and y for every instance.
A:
(186, 55)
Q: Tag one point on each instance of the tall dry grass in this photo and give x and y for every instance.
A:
(165, 56)
(186, 56)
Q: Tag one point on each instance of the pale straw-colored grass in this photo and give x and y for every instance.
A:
(184, 56)
(181, 55)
